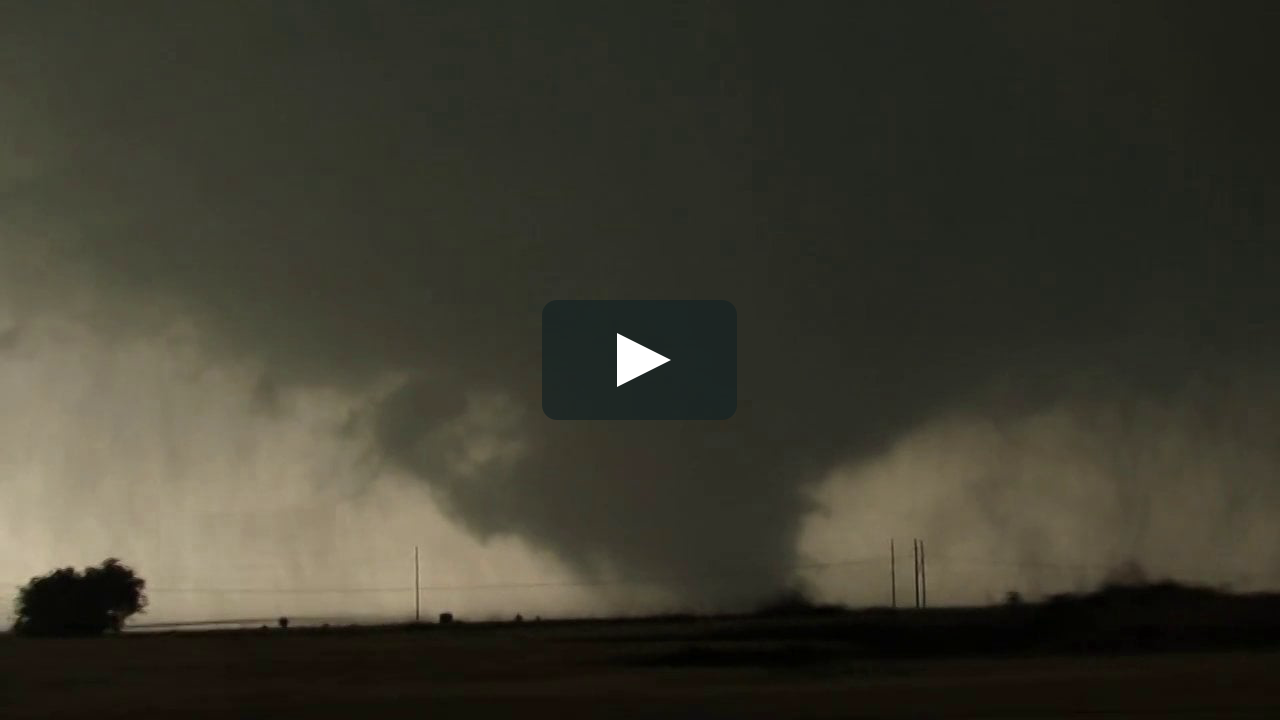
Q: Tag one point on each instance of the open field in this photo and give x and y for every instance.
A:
(680, 668)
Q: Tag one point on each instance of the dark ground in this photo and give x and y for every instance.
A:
(1109, 656)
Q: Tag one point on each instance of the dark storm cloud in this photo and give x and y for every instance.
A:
(902, 201)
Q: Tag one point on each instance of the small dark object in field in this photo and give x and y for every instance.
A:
(519, 617)
(446, 618)
(283, 622)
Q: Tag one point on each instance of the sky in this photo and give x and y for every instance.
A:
(271, 277)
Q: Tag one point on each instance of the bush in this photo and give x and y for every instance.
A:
(67, 602)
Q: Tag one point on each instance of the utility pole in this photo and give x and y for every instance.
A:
(915, 557)
(417, 588)
(893, 577)
(924, 579)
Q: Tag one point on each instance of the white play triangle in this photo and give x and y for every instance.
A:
(635, 360)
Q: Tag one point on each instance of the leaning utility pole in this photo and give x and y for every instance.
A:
(893, 577)
(915, 557)
(924, 579)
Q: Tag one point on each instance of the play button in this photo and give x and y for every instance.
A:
(635, 360)
(672, 360)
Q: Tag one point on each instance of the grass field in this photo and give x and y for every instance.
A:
(689, 668)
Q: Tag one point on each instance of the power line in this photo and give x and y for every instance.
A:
(509, 585)
(612, 582)
(279, 591)
(491, 586)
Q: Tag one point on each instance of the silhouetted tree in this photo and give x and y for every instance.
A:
(67, 602)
